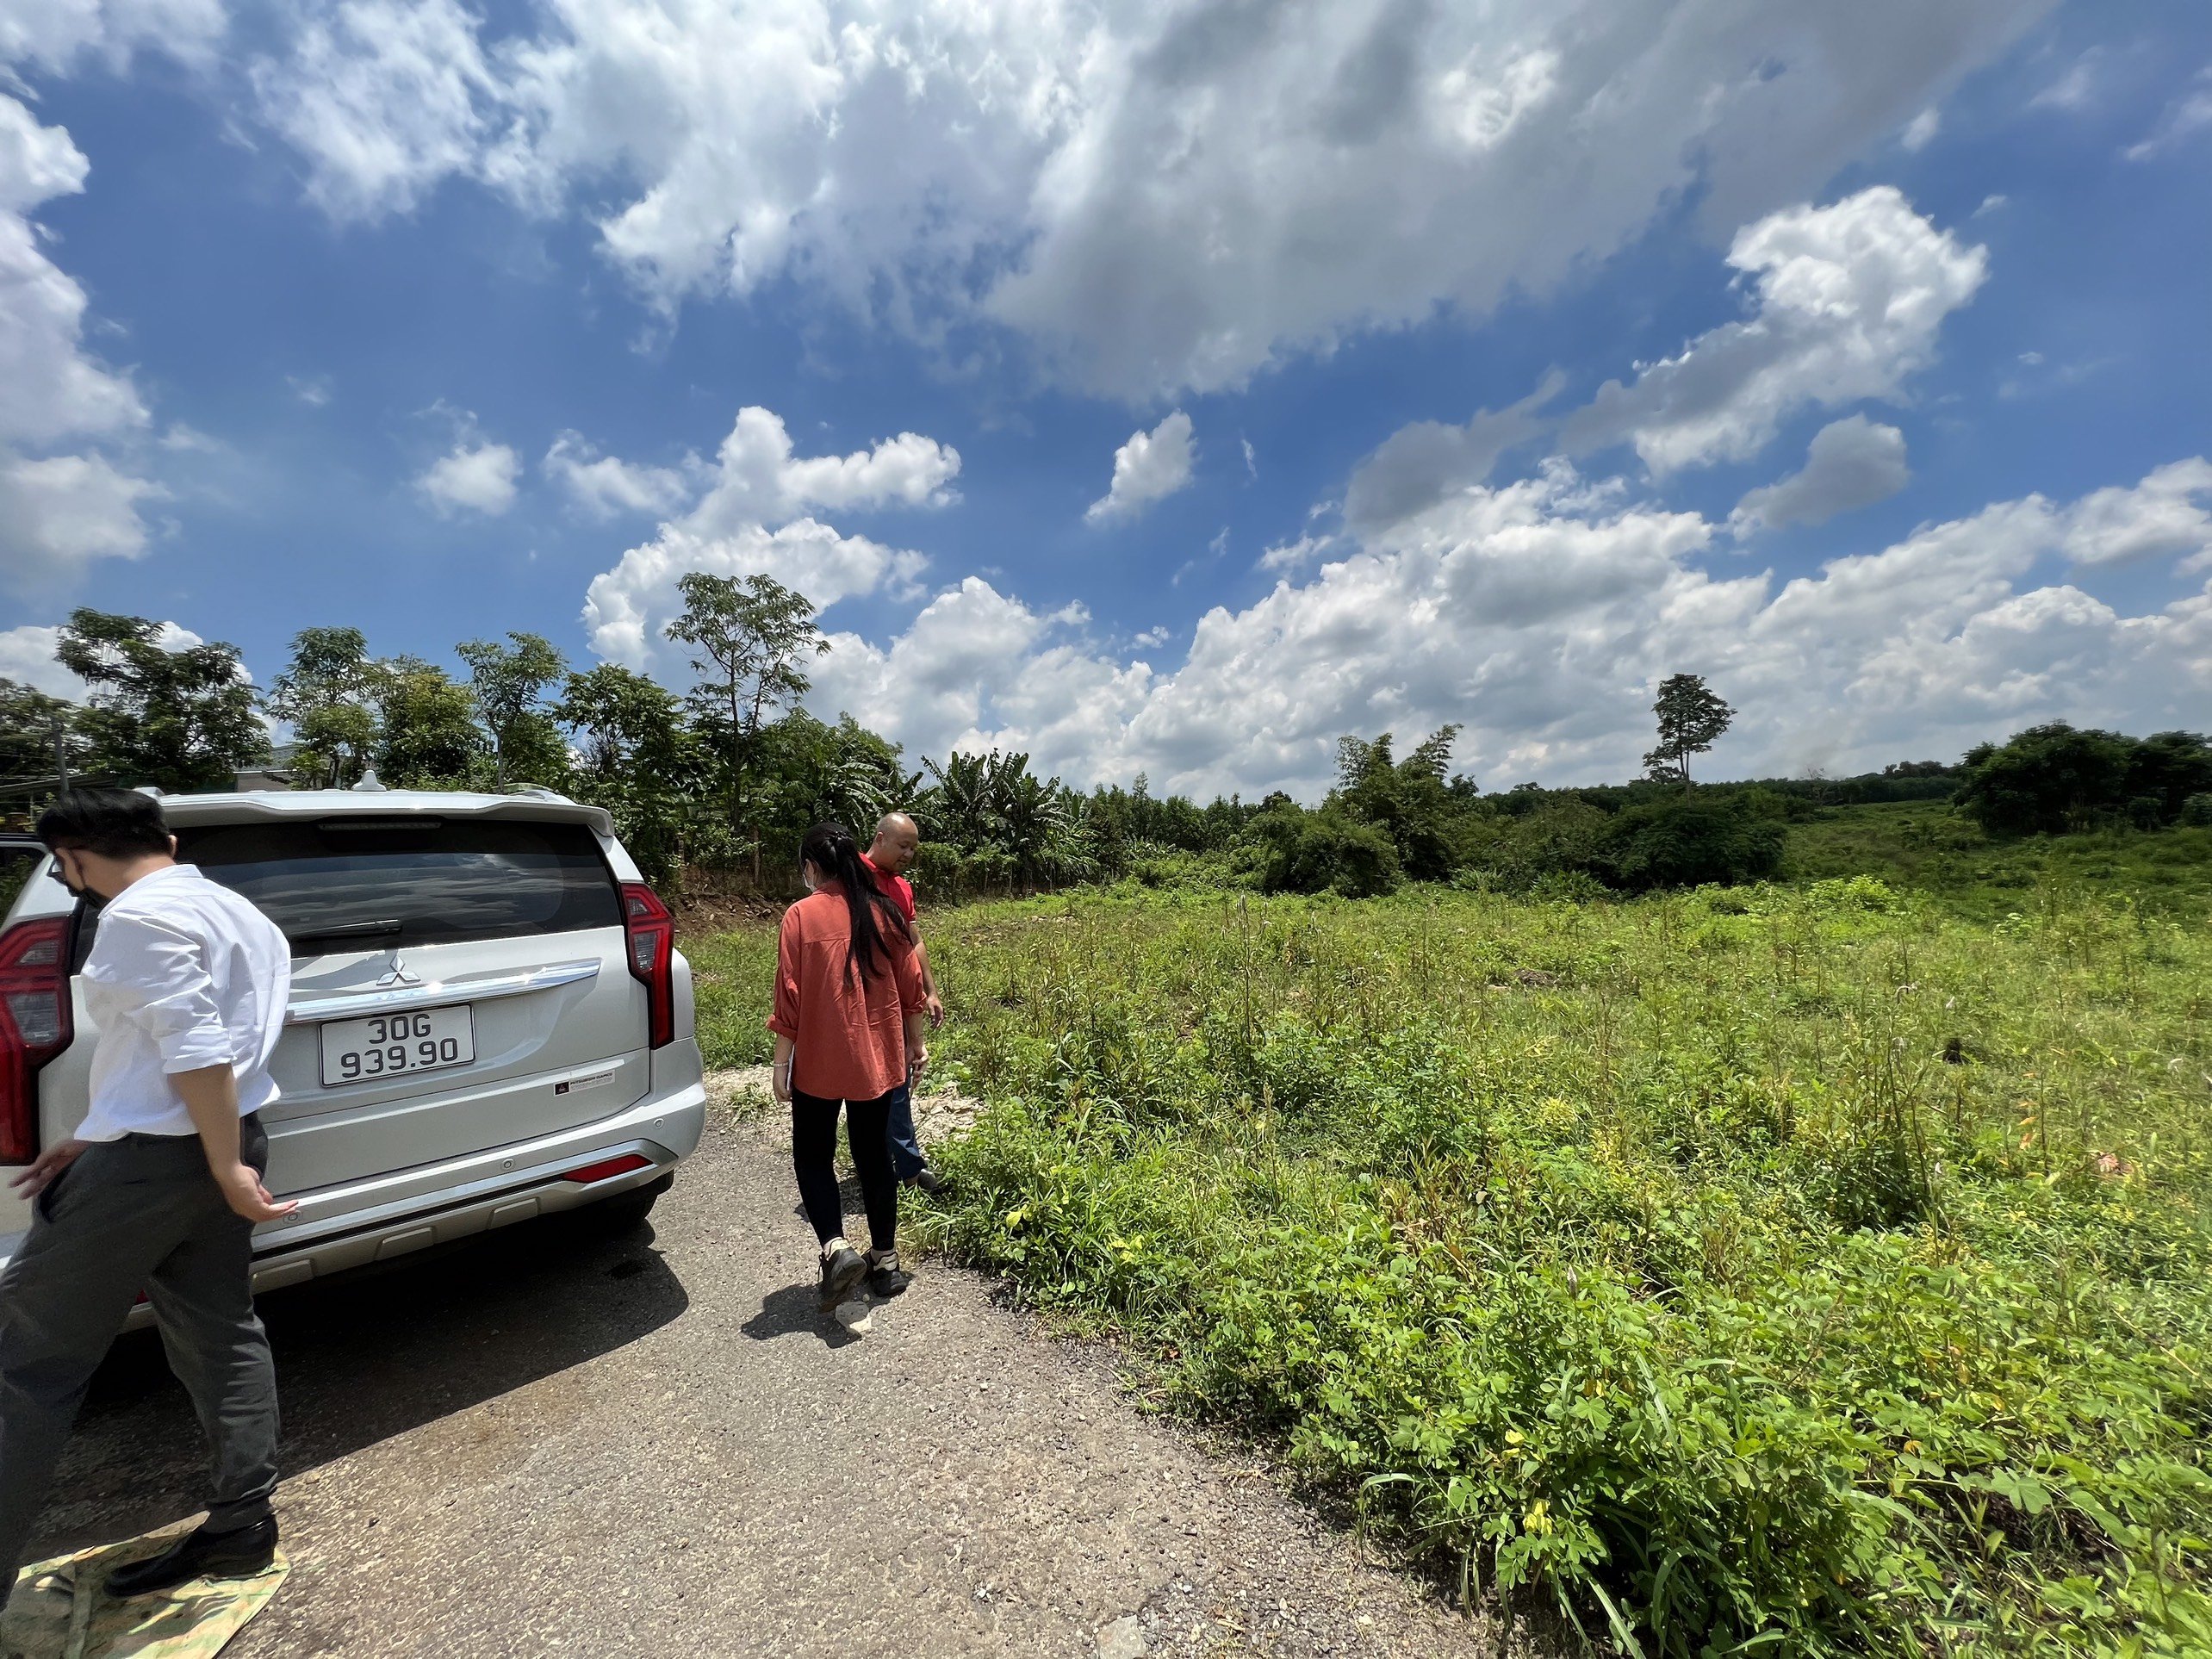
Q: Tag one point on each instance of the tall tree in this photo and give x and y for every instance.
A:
(639, 762)
(510, 682)
(328, 693)
(427, 735)
(30, 724)
(1691, 720)
(181, 719)
(752, 638)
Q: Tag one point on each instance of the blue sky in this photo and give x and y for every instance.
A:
(439, 322)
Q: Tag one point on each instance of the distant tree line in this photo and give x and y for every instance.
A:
(721, 780)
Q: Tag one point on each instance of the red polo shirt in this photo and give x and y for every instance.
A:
(850, 1031)
(896, 888)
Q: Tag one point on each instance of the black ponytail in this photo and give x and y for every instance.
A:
(836, 856)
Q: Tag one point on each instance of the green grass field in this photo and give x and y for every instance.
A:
(1810, 1269)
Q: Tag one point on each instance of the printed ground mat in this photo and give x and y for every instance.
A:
(60, 1610)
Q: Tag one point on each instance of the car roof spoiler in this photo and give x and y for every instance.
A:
(293, 806)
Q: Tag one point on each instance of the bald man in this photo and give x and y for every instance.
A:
(897, 839)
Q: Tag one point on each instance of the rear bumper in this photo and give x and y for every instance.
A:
(395, 1214)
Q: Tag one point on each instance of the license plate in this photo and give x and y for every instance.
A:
(388, 1045)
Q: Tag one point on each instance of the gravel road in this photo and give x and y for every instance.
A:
(556, 1441)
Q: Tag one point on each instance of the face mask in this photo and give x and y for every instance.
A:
(59, 874)
(806, 875)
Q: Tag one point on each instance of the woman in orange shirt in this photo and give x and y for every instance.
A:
(848, 1019)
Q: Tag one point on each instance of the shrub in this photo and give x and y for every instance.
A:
(1691, 841)
(2196, 811)
(1323, 852)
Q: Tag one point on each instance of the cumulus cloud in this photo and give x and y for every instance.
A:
(1157, 197)
(2163, 517)
(1849, 301)
(1850, 464)
(1150, 466)
(755, 482)
(471, 477)
(59, 508)
(1419, 464)
(603, 486)
(60, 513)
(1537, 615)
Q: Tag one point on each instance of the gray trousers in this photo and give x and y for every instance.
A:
(141, 1213)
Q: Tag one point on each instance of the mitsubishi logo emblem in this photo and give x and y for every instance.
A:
(397, 974)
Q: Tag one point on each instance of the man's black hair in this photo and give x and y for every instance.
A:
(113, 823)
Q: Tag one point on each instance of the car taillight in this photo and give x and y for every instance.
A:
(652, 953)
(34, 1025)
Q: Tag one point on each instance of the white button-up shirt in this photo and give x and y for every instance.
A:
(184, 974)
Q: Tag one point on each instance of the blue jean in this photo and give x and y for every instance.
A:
(906, 1159)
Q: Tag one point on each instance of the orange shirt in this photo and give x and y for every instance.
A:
(896, 888)
(850, 1034)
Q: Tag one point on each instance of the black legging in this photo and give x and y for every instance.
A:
(813, 1153)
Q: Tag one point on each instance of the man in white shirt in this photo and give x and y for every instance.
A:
(160, 1188)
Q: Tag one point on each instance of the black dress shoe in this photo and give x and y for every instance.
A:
(201, 1554)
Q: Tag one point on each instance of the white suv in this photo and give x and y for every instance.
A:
(489, 1019)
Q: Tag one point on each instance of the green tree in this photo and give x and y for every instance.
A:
(428, 736)
(1691, 720)
(753, 638)
(639, 761)
(328, 694)
(2046, 780)
(29, 722)
(1408, 800)
(180, 719)
(510, 682)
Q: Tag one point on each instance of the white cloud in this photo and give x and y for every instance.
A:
(27, 657)
(472, 477)
(1850, 464)
(53, 33)
(2189, 113)
(383, 96)
(1158, 197)
(1149, 466)
(1421, 463)
(1849, 300)
(603, 486)
(58, 511)
(2076, 89)
(1537, 615)
(313, 390)
(755, 481)
(2163, 517)
(1921, 131)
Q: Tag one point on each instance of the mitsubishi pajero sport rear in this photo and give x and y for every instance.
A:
(489, 1020)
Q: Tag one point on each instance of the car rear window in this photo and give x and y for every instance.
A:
(365, 883)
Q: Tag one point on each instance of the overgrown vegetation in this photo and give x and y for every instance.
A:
(1811, 1271)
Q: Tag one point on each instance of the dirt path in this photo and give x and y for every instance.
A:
(558, 1442)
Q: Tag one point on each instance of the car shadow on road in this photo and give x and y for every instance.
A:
(361, 1357)
(795, 1310)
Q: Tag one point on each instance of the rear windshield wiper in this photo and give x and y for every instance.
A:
(353, 930)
